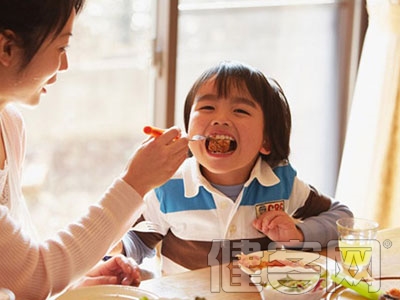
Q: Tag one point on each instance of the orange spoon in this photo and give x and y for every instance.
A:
(153, 131)
(156, 132)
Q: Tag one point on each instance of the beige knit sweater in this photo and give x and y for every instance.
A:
(37, 270)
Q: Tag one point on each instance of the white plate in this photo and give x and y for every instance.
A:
(270, 279)
(107, 292)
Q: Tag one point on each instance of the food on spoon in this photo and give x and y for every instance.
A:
(220, 144)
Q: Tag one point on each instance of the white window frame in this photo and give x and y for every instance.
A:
(351, 32)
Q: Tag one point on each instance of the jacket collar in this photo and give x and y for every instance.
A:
(193, 181)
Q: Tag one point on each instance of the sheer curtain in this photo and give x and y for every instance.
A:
(369, 177)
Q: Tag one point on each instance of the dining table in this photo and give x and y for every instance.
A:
(227, 281)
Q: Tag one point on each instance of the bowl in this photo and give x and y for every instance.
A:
(295, 283)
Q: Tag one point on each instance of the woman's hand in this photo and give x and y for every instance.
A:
(279, 227)
(117, 270)
(156, 160)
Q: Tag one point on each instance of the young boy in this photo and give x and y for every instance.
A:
(239, 185)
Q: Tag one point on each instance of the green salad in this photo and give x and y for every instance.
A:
(292, 285)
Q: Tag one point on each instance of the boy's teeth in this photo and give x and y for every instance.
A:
(222, 137)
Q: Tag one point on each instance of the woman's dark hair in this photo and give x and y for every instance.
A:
(32, 21)
(266, 92)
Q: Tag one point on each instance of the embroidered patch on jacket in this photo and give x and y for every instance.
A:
(270, 206)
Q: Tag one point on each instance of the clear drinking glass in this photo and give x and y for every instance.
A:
(356, 240)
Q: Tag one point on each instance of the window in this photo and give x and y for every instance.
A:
(305, 45)
(127, 53)
(84, 130)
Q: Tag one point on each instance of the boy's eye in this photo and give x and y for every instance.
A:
(241, 111)
(206, 107)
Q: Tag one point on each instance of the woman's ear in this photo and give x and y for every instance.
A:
(265, 149)
(7, 47)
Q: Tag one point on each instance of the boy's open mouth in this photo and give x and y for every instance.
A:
(220, 144)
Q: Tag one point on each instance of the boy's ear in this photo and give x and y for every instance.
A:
(265, 149)
(7, 47)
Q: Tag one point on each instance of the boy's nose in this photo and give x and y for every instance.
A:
(222, 116)
(221, 122)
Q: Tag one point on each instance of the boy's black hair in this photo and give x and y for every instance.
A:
(265, 91)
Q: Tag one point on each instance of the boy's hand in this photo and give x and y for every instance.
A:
(279, 227)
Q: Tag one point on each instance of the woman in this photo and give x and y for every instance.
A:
(34, 35)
